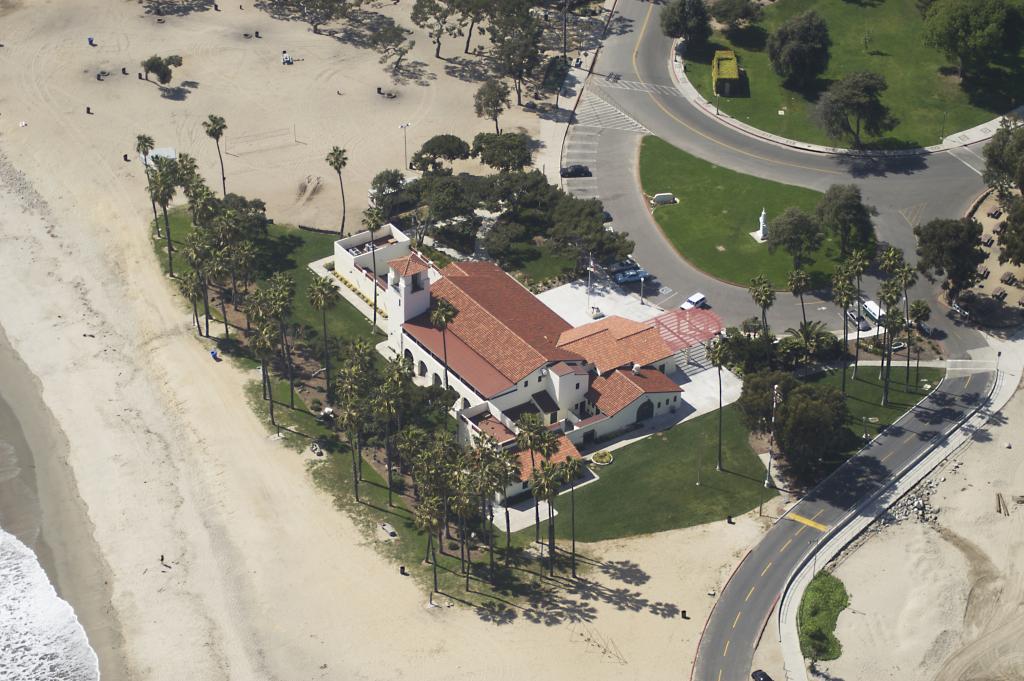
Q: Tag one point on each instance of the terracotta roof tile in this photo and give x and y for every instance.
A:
(409, 265)
(615, 342)
(621, 388)
(565, 449)
(500, 320)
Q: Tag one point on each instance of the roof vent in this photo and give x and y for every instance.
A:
(636, 368)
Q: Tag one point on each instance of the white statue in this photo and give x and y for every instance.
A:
(762, 232)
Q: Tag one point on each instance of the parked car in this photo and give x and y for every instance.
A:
(622, 266)
(607, 217)
(631, 276)
(899, 345)
(926, 331)
(760, 676)
(858, 320)
(694, 301)
(576, 170)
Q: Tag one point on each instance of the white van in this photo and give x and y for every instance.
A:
(873, 311)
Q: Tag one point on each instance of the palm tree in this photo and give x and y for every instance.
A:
(810, 336)
(572, 468)
(764, 297)
(323, 296)
(143, 145)
(428, 519)
(545, 483)
(262, 344)
(856, 265)
(919, 313)
(843, 296)
(889, 295)
(337, 158)
(372, 220)
(386, 403)
(891, 260)
(188, 175)
(192, 289)
(165, 186)
(488, 478)
(528, 438)
(716, 355)
(443, 314)
(282, 294)
(351, 415)
(245, 262)
(197, 255)
(219, 269)
(906, 275)
(800, 283)
(215, 127)
(203, 205)
(508, 473)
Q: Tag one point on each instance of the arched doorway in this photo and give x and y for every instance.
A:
(408, 356)
(644, 411)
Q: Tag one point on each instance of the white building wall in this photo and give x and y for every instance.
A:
(436, 367)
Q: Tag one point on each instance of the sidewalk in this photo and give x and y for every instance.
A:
(979, 133)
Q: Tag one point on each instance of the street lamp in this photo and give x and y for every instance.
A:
(776, 398)
(642, 290)
(405, 143)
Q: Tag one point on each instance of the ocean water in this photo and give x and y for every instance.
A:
(41, 639)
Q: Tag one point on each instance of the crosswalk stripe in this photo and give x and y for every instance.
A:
(595, 112)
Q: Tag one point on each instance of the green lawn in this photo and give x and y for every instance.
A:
(285, 249)
(548, 265)
(717, 210)
(926, 101)
(651, 485)
(864, 394)
(824, 599)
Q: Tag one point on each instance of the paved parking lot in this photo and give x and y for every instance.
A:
(569, 301)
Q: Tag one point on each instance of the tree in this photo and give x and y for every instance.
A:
(517, 38)
(143, 145)
(387, 402)
(856, 265)
(351, 416)
(191, 289)
(1004, 158)
(428, 515)
(197, 254)
(385, 188)
(262, 344)
(533, 437)
(505, 152)
(219, 268)
(316, 13)
(508, 473)
(337, 158)
(215, 128)
(687, 19)
(1011, 233)
(572, 469)
(442, 314)
(889, 297)
(165, 186)
(755, 402)
(439, 147)
(843, 295)
(715, 352)
(323, 296)
(434, 16)
(471, 13)
(733, 13)
(491, 100)
(545, 483)
(800, 283)
(920, 312)
(797, 233)
(854, 104)
(810, 424)
(906, 276)
(761, 291)
(579, 229)
(798, 49)
(393, 42)
(972, 32)
(161, 66)
(950, 248)
(811, 339)
(842, 212)
(281, 295)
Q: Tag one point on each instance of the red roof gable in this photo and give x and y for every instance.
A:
(621, 388)
(565, 449)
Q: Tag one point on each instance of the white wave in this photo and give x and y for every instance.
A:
(41, 639)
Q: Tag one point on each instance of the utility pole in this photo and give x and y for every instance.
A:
(776, 398)
(405, 144)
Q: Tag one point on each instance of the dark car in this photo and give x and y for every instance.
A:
(760, 676)
(631, 276)
(859, 320)
(622, 266)
(606, 216)
(576, 170)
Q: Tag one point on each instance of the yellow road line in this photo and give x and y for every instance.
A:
(737, 619)
(808, 522)
(766, 568)
(749, 593)
(725, 651)
(788, 542)
(636, 70)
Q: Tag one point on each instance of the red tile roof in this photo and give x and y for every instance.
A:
(463, 360)
(615, 342)
(621, 388)
(565, 450)
(409, 265)
(500, 320)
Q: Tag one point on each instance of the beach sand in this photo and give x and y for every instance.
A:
(265, 578)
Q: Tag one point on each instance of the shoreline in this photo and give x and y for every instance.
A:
(41, 507)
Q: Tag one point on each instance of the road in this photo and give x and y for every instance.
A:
(630, 94)
(635, 94)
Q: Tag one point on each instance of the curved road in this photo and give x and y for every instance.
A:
(631, 80)
(632, 93)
